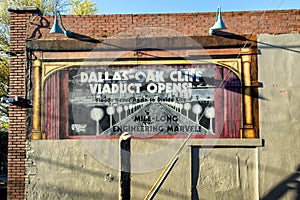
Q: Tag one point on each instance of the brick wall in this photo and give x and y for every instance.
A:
(17, 115)
(25, 26)
(187, 24)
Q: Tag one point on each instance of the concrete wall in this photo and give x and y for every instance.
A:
(88, 169)
(279, 105)
(225, 173)
(66, 170)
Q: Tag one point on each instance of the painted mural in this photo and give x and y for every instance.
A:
(144, 101)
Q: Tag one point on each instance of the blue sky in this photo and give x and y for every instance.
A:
(173, 6)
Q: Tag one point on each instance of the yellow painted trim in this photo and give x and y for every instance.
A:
(51, 67)
(36, 112)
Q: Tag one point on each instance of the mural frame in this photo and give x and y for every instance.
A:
(240, 66)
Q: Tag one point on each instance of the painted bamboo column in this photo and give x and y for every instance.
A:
(247, 130)
(36, 114)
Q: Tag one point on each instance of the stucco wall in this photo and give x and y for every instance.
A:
(73, 169)
(87, 169)
(279, 104)
(66, 170)
(225, 173)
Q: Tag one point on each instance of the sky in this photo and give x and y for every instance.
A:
(183, 6)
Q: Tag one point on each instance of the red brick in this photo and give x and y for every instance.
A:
(187, 24)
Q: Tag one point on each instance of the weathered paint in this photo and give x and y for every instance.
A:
(65, 169)
(279, 104)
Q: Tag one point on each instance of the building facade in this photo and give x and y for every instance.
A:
(213, 116)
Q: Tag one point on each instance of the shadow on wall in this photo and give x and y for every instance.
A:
(57, 192)
(290, 183)
(195, 172)
(266, 45)
(39, 22)
(63, 191)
